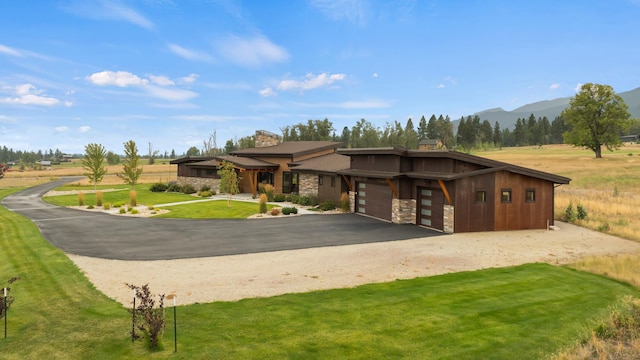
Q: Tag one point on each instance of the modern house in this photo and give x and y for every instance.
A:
(449, 191)
(303, 167)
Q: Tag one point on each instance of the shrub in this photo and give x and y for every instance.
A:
(204, 188)
(98, 198)
(268, 190)
(275, 211)
(133, 198)
(304, 200)
(582, 213)
(345, 204)
(327, 205)
(80, 198)
(294, 198)
(206, 193)
(604, 227)
(158, 187)
(134, 211)
(287, 210)
(106, 206)
(174, 188)
(262, 203)
(117, 205)
(148, 317)
(279, 198)
(287, 198)
(122, 211)
(90, 207)
(188, 189)
(313, 200)
(569, 213)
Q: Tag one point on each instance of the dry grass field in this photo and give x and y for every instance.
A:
(159, 172)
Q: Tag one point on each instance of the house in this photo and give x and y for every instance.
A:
(303, 167)
(449, 191)
(431, 144)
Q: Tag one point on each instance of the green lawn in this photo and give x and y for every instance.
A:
(526, 312)
(198, 210)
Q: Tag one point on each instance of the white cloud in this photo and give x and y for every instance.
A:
(267, 92)
(578, 87)
(10, 51)
(161, 80)
(440, 86)
(554, 86)
(189, 54)
(375, 75)
(252, 52)
(117, 78)
(310, 82)
(84, 129)
(109, 10)
(7, 120)
(61, 128)
(172, 94)
(190, 79)
(353, 11)
(27, 94)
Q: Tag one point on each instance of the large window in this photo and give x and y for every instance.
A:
(505, 195)
(481, 196)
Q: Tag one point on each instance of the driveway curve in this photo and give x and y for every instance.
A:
(122, 238)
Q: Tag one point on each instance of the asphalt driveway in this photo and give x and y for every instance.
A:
(115, 237)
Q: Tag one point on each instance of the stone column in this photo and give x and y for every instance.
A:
(448, 219)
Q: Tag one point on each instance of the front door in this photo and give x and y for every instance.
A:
(431, 208)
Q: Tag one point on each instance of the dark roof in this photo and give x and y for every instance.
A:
(190, 159)
(326, 163)
(242, 162)
(289, 149)
(429, 142)
(490, 165)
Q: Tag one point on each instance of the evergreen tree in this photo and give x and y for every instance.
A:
(423, 132)
(432, 128)
(497, 135)
(410, 136)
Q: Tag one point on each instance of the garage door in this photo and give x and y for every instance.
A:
(374, 200)
(431, 208)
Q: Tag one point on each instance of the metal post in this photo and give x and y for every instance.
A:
(133, 318)
(175, 327)
(5, 311)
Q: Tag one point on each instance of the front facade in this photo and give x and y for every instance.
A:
(449, 191)
(291, 167)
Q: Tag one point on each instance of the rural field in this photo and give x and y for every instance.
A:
(537, 311)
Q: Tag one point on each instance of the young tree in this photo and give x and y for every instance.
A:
(152, 154)
(93, 163)
(228, 180)
(598, 116)
(130, 170)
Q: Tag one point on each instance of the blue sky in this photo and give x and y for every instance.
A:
(171, 72)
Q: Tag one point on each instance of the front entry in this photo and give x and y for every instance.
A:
(431, 208)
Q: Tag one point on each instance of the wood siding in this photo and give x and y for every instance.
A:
(470, 214)
(520, 214)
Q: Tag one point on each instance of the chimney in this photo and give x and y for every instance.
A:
(265, 138)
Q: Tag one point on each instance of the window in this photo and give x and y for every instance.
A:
(530, 196)
(320, 180)
(481, 196)
(505, 195)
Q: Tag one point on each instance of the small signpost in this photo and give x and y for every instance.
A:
(175, 323)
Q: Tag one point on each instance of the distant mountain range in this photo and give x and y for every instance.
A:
(550, 109)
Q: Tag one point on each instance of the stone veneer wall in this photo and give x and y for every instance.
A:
(197, 183)
(308, 184)
(352, 201)
(448, 219)
(403, 211)
(265, 138)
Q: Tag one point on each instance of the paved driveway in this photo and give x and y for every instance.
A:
(115, 237)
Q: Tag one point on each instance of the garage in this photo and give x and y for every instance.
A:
(430, 205)
(374, 200)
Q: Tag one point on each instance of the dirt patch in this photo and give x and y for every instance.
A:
(231, 278)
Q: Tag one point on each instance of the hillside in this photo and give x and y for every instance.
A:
(550, 109)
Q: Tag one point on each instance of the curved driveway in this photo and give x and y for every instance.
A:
(128, 238)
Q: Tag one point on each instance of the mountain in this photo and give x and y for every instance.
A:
(550, 109)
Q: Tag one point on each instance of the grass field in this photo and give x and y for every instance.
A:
(530, 310)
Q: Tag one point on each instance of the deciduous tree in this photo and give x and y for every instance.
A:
(228, 180)
(130, 170)
(93, 163)
(598, 116)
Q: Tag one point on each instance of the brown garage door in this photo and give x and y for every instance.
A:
(374, 200)
(431, 208)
